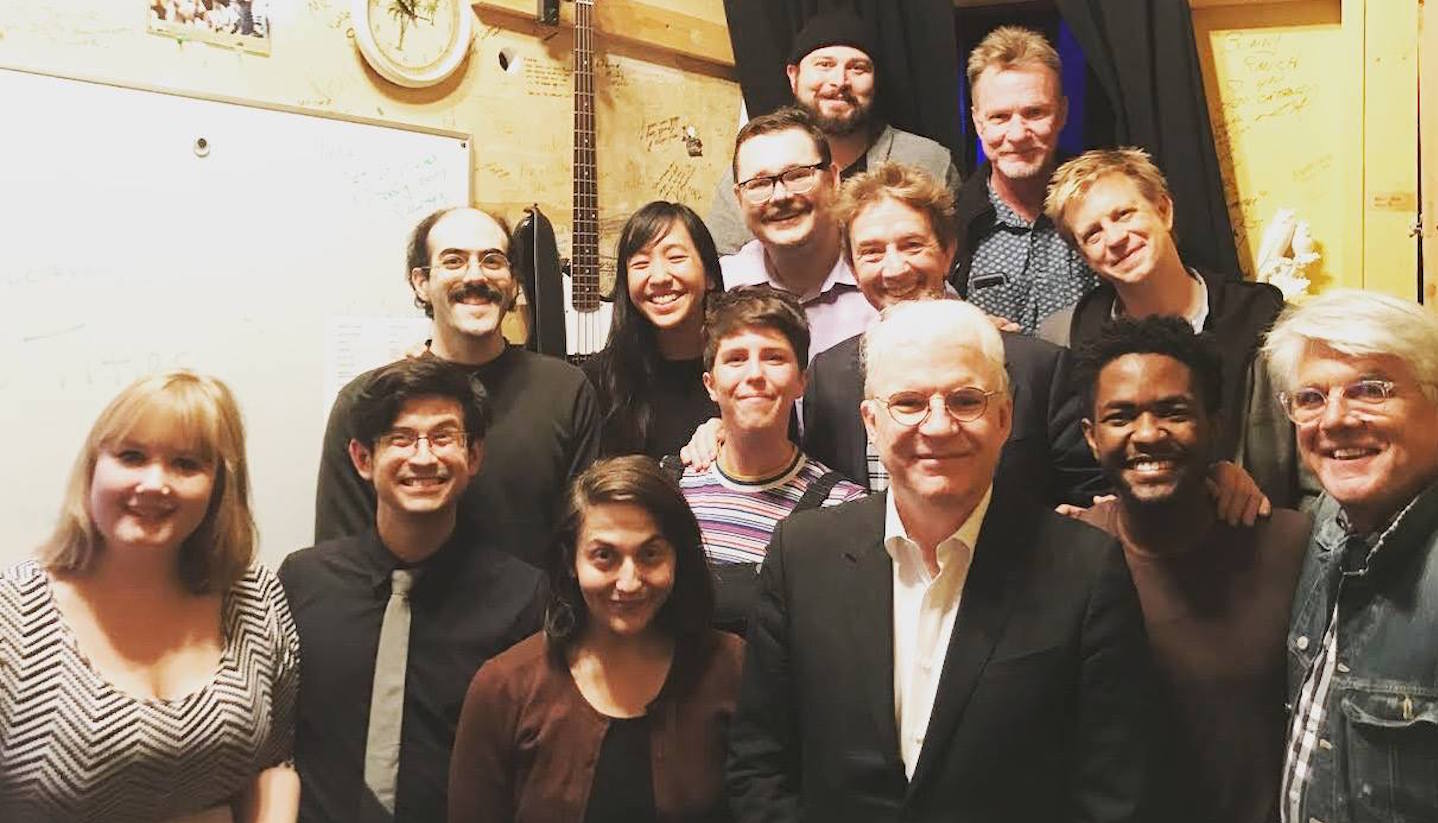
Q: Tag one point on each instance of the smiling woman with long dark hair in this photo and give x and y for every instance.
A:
(648, 375)
(620, 708)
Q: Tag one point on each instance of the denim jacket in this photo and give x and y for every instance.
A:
(1377, 754)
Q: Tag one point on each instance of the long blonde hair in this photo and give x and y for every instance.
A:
(201, 411)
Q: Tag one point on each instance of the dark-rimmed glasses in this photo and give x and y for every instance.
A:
(912, 408)
(1307, 404)
(798, 180)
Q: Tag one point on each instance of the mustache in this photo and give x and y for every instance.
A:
(784, 212)
(480, 289)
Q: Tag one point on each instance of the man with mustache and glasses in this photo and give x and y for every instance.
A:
(1215, 597)
(755, 341)
(395, 620)
(545, 419)
(832, 75)
(927, 653)
(1359, 373)
(787, 184)
(1010, 261)
(1114, 206)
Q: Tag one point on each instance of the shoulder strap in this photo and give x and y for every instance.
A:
(818, 491)
(672, 466)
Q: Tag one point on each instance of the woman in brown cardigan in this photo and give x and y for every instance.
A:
(619, 710)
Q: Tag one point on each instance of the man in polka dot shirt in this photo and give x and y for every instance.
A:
(1010, 261)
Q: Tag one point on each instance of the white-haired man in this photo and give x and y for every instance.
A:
(1359, 373)
(976, 638)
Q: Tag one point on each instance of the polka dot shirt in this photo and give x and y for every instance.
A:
(1025, 271)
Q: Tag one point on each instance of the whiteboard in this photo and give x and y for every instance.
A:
(264, 258)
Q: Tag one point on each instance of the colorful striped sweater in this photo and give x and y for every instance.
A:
(737, 517)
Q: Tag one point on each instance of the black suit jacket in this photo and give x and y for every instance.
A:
(1041, 702)
(1045, 455)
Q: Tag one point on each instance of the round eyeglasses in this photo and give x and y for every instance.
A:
(1307, 404)
(490, 262)
(911, 408)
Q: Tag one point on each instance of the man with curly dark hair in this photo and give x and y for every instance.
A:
(1215, 597)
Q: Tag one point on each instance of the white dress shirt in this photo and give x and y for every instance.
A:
(924, 611)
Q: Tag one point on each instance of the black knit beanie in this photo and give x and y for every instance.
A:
(833, 28)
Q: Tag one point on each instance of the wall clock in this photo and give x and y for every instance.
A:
(413, 43)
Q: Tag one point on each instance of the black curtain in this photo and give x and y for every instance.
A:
(1143, 57)
(1145, 86)
(917, 64)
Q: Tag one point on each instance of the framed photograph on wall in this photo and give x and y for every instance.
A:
(236, 24)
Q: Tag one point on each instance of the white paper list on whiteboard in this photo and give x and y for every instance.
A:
(354, 345)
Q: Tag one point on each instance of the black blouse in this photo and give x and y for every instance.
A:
(623, 788)
(679, 401)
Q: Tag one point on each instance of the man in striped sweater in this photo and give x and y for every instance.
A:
(756, 345)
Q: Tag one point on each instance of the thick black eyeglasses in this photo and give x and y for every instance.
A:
(798, 180)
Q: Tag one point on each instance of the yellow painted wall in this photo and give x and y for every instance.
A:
(1428, 124)
(1314, 108)
(521, 119)
(1280, 79)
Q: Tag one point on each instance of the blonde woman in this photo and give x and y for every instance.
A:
(147, 667)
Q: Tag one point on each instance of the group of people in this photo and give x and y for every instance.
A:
(926, 501)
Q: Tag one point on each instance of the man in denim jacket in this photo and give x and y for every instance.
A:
(1360, 378)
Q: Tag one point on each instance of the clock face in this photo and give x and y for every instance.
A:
(414, 42)
(415, 34)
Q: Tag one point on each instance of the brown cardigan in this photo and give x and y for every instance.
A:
(528, 741)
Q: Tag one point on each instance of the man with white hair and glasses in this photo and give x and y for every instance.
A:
(1359, 373)
(923, 653)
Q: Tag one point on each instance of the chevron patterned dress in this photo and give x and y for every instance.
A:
(75, 748)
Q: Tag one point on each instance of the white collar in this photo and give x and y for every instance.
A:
(896, 536)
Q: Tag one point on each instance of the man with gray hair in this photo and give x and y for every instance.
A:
(977, 639)
(1359, 373)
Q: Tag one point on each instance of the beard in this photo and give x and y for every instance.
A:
(858, 119)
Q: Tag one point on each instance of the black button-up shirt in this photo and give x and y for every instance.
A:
(469, 603)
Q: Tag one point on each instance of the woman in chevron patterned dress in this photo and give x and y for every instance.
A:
(147, 668)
